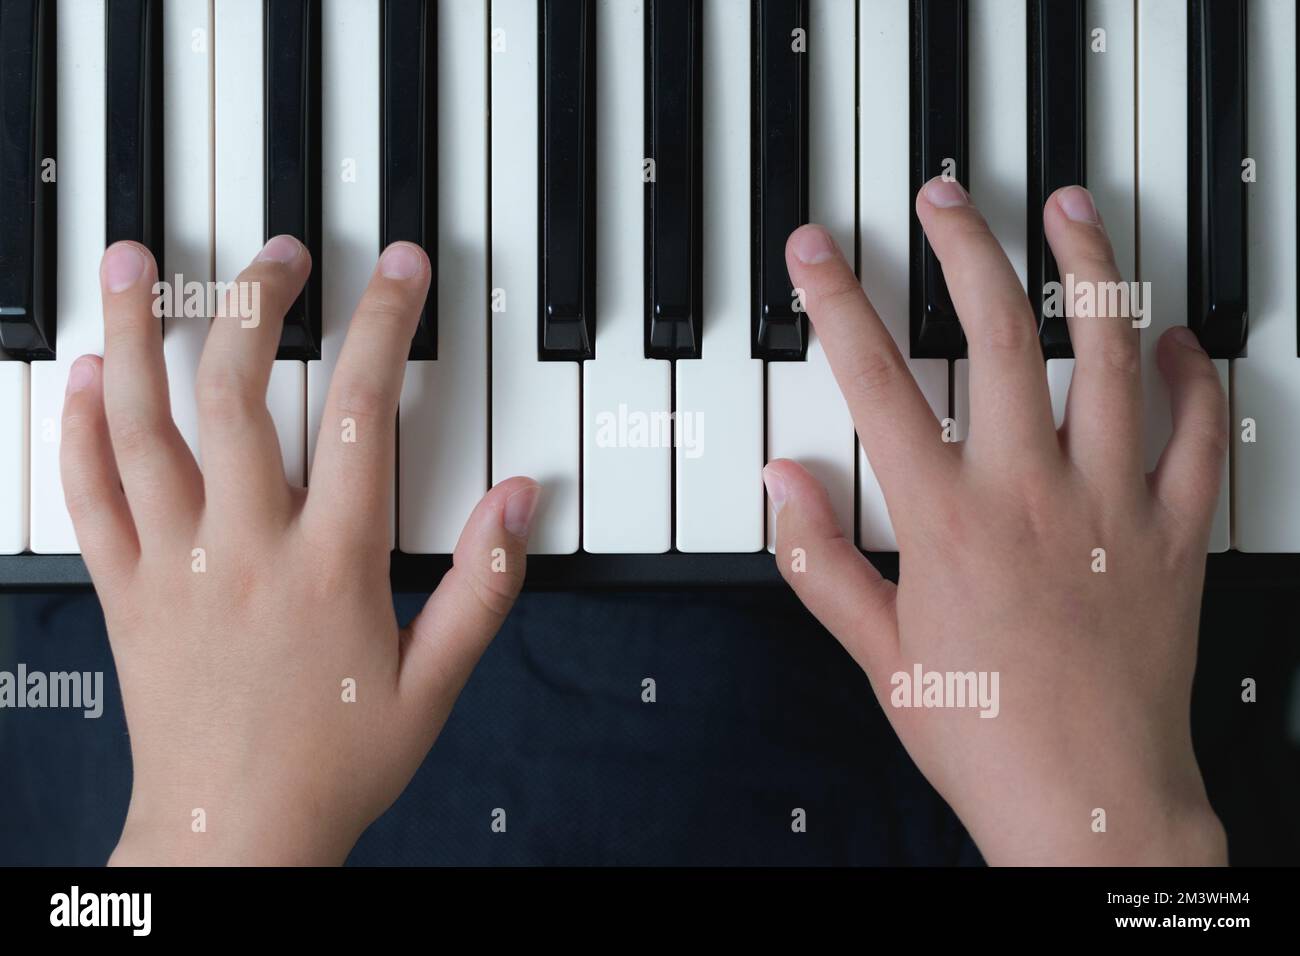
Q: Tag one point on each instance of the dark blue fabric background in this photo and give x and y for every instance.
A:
(758, 711)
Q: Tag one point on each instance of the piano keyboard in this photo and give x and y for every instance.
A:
(605, 188)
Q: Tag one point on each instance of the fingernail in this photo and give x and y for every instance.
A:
(945, 193)
(1076, 202)
(812, 245)
(280, 249)
(81, 374)
(122, 266)
(775, 488)
(519, 510)
(1185, 337)
(399, 261)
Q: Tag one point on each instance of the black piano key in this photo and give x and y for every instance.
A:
(409, 138)
(1057, 120)
(567, 320)
(133, 200)
(28, 209)
(779, 326)
(673, 211)
(1216, 200)
(940, 144)
(293, 154)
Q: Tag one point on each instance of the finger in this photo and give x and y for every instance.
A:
(830, 576)
(1104, 414)
(159, 475)
(352, 475)
(1190, 470)
(92, 487)
(243, 467)
(895, 423)
(1010, 412)
(446, 639)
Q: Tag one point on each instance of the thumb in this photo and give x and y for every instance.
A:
(828, 573)
(446, 639)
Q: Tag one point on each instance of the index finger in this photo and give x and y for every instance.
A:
(895, 423)
(355, 452)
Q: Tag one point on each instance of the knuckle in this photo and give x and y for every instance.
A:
(364, 401)
(839, 295)
(81, 498)
(494, 592)
(875, 373)
(126, 329)
(1034, 503)
(387, 308)
(1210, 431)
(338, 572)
(1041, 504)
(78, 426)
(1119, 354)
(1010, 336)
(1206, 377)
(135, 433)
(223, 395)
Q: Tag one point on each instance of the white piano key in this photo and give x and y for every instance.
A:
(885, 209)
(79, 315)
(1110, 103)
(239, 177)
(999, 123)
(15, 397)
(1266, 383)
(286, 397)
(187, 210)
(443, 454)
(627, 470)
(807, 417)
(349, 189)
(1162, 210)
(720, 395)
(240, 150)
(1110, 100)
(535, 409)
(1059, 373)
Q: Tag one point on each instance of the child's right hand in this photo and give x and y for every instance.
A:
(996, 551)
(241, 609)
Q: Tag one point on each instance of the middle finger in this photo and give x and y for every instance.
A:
(242, 463)
(1010, 412)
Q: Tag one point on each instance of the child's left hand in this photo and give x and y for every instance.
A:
(242, 612)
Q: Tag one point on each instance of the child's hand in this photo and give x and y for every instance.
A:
(242, 612)
(997, 540)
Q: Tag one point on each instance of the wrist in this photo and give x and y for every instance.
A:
(1161, 833)
(146, 841)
